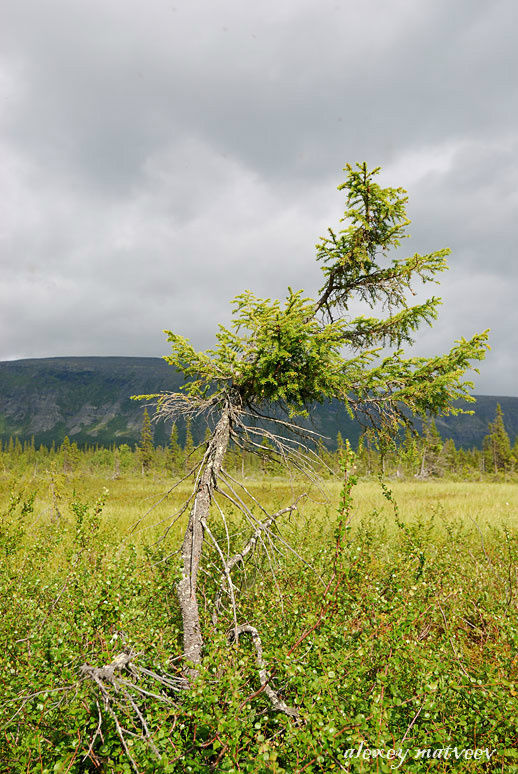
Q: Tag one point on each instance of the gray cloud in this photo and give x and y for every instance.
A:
(159, 158)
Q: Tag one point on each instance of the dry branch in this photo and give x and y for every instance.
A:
(239, 557)
(116, 683)
(278, 704)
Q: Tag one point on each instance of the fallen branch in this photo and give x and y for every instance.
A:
(278, 704)
(113, 685)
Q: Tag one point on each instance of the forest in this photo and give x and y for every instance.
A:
(415, 455)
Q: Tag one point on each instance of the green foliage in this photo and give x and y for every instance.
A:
(497, 444)
(272, 354)
(377, 222)
(431, 448)
(175, 450)
(303, 351)
(146, 447)
(70, 455)
(87, 520)
(13, 521)
(415, 640)
(441, 458)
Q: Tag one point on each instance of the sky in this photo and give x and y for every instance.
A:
(158, 158)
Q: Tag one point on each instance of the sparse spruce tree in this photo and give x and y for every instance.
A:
(188, 446)
(65, 451)
(116, 464)
(126, 457)
(175, 450)
(497, 445)
(70, 455)
(367, 456)
(409, 454)
(447, 459)
(146, 447)
(278, 358)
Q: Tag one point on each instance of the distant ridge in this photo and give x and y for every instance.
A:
(88, 399)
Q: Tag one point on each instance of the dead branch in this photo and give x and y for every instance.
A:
(239, 557)
(97, 733)
(238, 503)
(125, 663)
(285, 449)
(114, 687)
(193, 541)
(278, 704)
(164, 497)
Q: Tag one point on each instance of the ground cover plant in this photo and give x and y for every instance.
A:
(414, 639)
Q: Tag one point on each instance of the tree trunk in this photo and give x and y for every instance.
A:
(193, 542)
(422, 472)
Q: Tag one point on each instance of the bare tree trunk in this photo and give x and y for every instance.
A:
(422, 472)
(193, 541)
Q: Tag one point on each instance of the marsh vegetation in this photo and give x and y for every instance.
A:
(405, 634)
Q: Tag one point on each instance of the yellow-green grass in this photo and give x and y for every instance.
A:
(141, 506)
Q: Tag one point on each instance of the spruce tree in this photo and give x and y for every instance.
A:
(175, 451)
(497, 445)
(449, 458)
(409, 453)
(146, 447)
(70, 454)
(431, 447)
(278, 358)
(188, 446)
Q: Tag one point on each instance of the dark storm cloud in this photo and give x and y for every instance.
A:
(159, 158)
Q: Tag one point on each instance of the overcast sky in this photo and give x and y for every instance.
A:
(158, 158)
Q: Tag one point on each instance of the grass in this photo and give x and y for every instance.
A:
(129, 498)
(405, 637)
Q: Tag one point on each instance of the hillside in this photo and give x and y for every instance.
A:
(88, 399)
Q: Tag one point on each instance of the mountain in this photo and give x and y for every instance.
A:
(88, 399)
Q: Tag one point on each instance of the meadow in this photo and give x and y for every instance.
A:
(392, 628)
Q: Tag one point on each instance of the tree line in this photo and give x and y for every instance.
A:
(420, 455)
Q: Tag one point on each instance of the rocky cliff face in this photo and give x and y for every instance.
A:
(88, 399)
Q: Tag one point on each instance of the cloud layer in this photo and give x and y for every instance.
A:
(159, 158)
